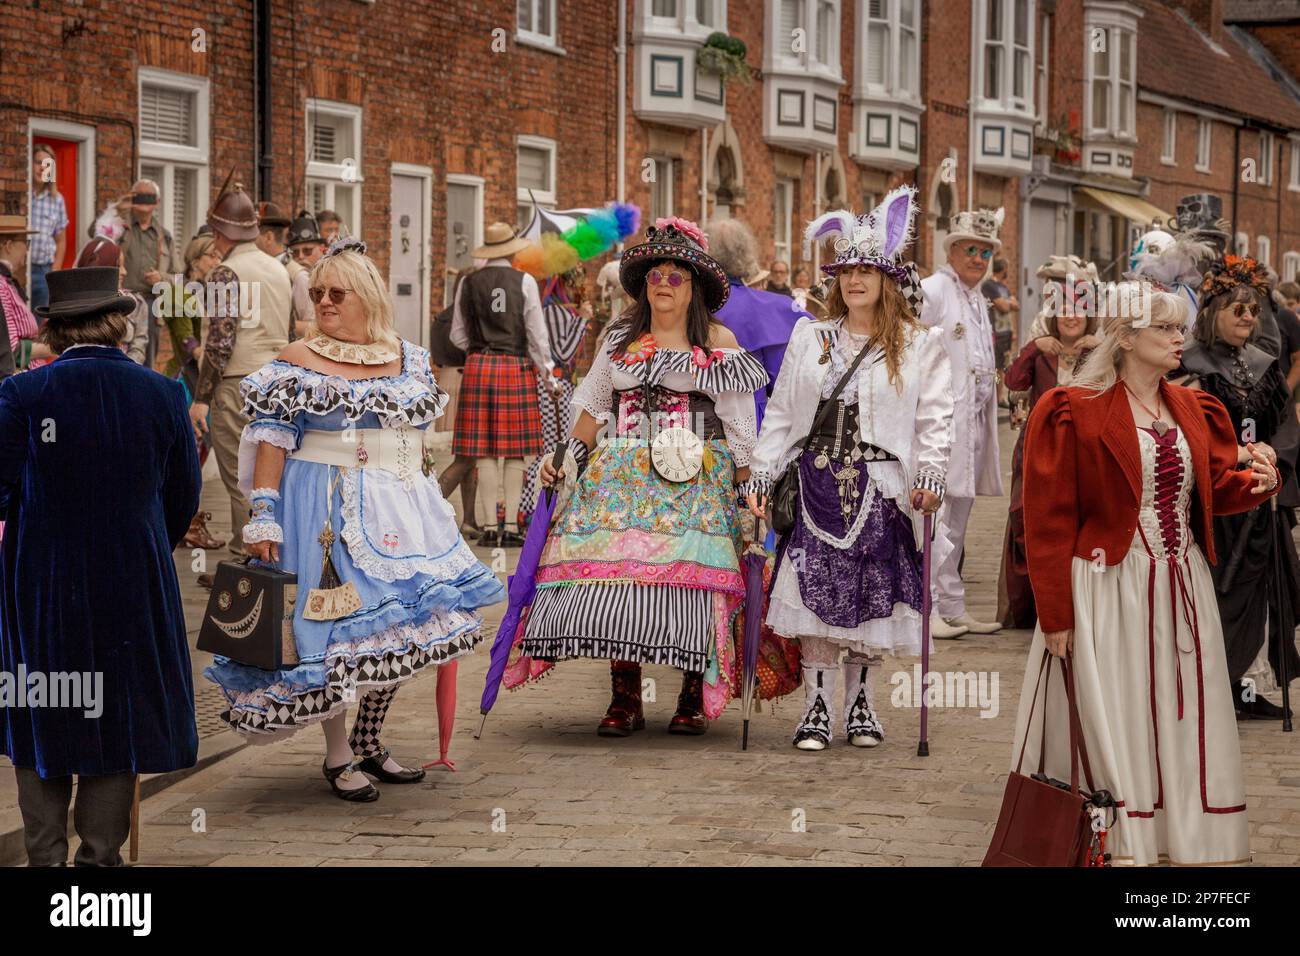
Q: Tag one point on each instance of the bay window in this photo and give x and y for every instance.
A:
(887, 84)
(1111, 89)
(1007, 53)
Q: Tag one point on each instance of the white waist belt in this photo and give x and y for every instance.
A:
(397, 450)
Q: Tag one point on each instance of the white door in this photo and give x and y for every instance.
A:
(464, 219)
(406, 263)
(1038, 246)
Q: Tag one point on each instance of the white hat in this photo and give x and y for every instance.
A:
(978, 225)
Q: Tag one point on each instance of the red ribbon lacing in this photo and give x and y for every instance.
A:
(1168, 482)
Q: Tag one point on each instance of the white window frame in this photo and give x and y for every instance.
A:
(1267, 149)
(683, 19)
(1204, 143)
(1043, 93)
(171, 156)
(893, 87)
(783, 249)
(1116, 88)
(547, 39)
(1264, 250)
(1294, 180)
(1290, 266)
(1241, 244)
(544, 197)
(1169, 137)
(663, 169)
(1005, 101)
(784, 58)
(332, 175)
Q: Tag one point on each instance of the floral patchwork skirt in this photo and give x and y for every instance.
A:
(638, 568)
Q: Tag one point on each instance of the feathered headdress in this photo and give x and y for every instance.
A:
(1168, 261)
(876, 239)
(1227, 273)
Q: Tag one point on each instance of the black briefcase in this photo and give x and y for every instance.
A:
(250, 616)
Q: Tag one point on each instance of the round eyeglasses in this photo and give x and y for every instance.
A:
(674, 279)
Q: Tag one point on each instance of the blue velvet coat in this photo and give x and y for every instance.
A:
(98, 481)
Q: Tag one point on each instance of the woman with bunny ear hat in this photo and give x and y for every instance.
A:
(871, 452)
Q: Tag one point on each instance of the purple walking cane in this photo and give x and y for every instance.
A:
(923, 747)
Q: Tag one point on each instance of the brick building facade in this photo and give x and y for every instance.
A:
(419, 122)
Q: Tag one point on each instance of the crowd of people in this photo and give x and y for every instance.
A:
(1155, 414)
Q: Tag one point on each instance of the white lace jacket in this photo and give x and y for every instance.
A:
(914, 424)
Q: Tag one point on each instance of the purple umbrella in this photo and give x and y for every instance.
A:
(923, 745)
(522, 587)
(754, 560)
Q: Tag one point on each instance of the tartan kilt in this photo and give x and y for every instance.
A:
(497, 414)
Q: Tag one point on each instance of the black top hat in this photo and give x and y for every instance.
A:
(84, 293)
(304, 228)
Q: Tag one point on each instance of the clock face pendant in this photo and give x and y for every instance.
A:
(677, 454)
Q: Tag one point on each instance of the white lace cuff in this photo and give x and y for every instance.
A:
(256, 531)
(279, 434)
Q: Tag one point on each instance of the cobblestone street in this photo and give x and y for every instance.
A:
(541, 787)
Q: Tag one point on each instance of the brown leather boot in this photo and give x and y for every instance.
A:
(198, 535)
(690, 718)
(624, 715)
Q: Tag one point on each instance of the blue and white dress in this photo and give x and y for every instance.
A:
(397, 542)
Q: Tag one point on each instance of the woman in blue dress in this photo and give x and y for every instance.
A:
(331, 465)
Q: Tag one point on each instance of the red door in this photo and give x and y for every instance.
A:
(65, 163)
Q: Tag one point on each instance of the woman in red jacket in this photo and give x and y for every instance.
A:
(1123, 475)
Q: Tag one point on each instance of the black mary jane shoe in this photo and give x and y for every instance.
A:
(511, 539)
(374, 766)
(490, 538)
(365, 794)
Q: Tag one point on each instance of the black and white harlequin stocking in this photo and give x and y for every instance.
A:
(814, 730)
(370, 721)
(861, 724)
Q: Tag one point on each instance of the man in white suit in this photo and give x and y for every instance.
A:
(954, 302)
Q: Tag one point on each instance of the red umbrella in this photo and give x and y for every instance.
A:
(446, 714)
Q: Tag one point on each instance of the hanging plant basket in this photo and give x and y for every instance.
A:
(725, 56)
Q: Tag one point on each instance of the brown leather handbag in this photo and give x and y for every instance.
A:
(1046, 822)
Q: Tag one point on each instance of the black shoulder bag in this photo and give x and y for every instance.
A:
(785, 493)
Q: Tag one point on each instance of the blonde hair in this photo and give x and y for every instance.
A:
(893, 318)
(363, 278)
(1131, 307)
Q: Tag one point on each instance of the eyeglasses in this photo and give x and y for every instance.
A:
(972, 251)
(1241, 309)
(674, 279)
(336, 295)
(302, 252)
(1168, 329)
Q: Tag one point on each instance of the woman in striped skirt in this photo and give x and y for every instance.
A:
(642, 564)
(567, 312)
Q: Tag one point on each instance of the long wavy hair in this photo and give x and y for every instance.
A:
(635, 321)
(1121, 316)
(894, 319)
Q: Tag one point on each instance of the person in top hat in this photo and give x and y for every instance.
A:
(273, 232)
(642, 563)
(14, 236)
(306, 245)
(953, 301)
(498, 321)
(115, 626)
(104, 252)
(251, 300)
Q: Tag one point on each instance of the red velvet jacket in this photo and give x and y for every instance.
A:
(1083, 483)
